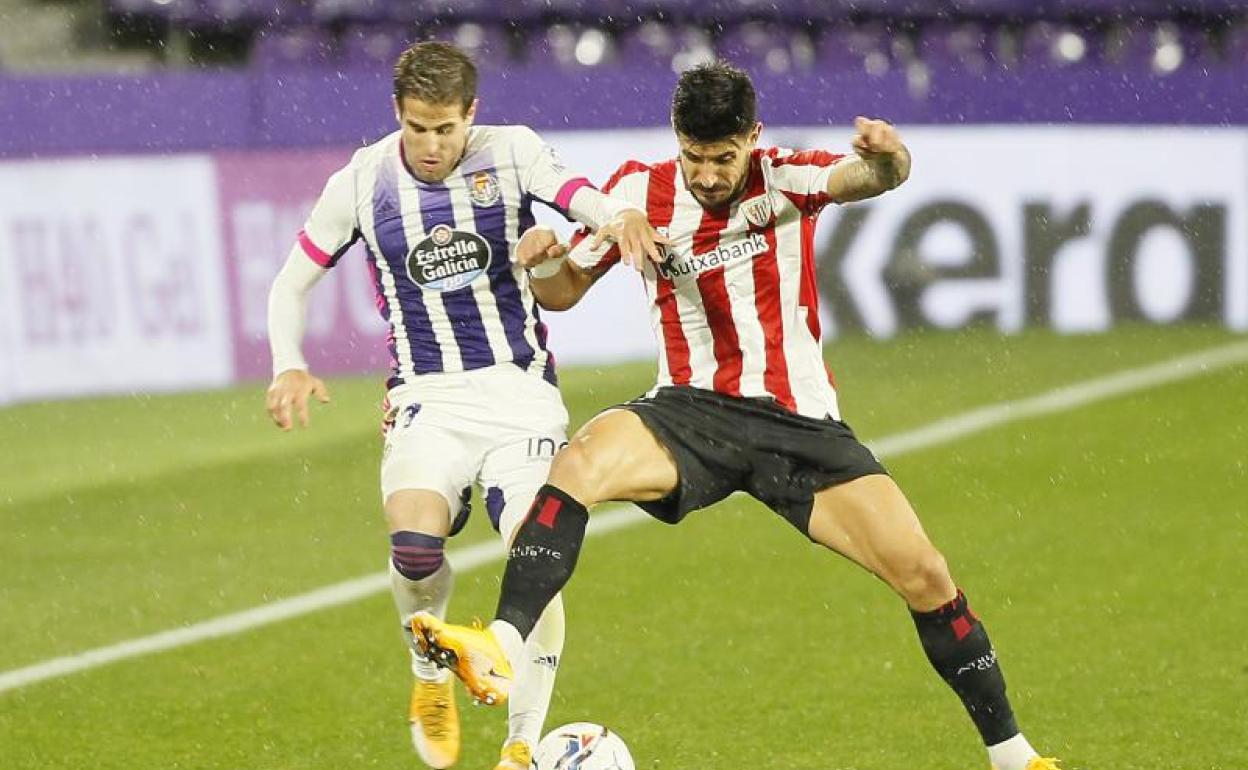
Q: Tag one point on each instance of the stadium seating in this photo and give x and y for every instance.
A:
(871, 36)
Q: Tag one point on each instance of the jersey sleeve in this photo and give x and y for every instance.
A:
(542, 173)
(332, 227)
(628, 184)
(803, 176)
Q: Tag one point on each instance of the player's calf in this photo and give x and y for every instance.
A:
(957, 646)
(420, 580)
(542, 557)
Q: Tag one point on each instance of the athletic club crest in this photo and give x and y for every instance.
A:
(758, 211)
(483, 189)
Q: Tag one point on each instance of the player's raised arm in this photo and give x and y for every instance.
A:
(883, 163)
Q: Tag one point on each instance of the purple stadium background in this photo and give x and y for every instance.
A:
(308, 107)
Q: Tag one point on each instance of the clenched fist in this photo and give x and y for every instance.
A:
(874, 138)
(538, 245)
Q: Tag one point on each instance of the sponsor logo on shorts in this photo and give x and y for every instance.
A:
(547, 661)
(680, 265)
(447, 259)
(543, 447)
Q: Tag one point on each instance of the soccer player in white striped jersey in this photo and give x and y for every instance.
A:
(743, 401)
(441, 206)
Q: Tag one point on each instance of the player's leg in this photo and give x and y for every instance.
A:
(510, 477)
(423, 473)
(613, 457)
(870, 521)
(529, 702)
(418, 521)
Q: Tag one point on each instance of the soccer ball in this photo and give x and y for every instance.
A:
(582, 746)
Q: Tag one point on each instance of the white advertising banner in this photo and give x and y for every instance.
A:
(110, 277)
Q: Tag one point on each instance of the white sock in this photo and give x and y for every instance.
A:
(510, 640)
(535, 676)
(1011, 754)
(430, 594)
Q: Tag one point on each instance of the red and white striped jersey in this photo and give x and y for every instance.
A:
(734, 304)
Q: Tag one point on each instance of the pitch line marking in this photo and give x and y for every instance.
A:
(468, 558)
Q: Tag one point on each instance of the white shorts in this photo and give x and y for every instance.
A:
(498, 427)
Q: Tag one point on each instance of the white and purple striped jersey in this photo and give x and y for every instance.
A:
(440, 254)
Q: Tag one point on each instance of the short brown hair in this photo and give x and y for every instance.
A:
(437, 73)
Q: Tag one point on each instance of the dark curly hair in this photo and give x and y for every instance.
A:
(714, 101)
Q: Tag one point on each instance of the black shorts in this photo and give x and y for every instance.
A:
(724, 444)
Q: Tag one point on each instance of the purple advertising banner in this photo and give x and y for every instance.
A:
(327, 106)
(264, 199)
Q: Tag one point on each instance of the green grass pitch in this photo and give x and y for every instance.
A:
(1104, 546)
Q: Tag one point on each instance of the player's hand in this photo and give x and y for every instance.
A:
(875, 138)
(638, 241)
(288, 397)
(537, 245)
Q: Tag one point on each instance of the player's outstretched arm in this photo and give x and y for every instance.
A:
(547, 180)
(287, 396)
(557, 283)
(883, 163)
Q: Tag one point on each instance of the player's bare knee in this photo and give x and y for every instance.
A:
(397, 517)
(418, 510)
(580, 472)
(922, 578)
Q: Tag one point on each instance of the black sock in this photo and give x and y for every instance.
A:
(958, 647)
(542, 557)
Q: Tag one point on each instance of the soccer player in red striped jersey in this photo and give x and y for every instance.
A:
(743, 401)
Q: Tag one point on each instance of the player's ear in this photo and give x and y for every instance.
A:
(471, 113)
(398, 109)
(756, 132)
